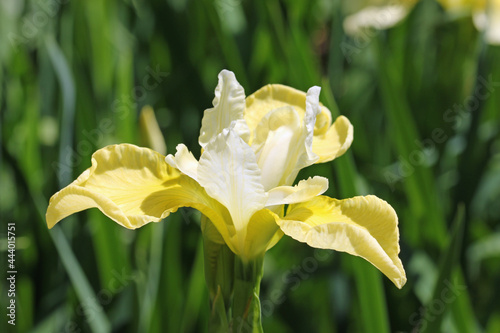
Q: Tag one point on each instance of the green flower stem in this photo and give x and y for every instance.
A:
(219, 276)
(233, 284)
(246, 312)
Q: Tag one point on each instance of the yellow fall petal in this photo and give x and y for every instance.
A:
(362, 226)
(134, 186)
(118, 182)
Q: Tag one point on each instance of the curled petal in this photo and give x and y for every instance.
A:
(274, 96)
(184, 161)
(229, 105)
(312, 110)
(305, 190)
(361, 226)
(335, 142)
(118, 183)
(329, 141)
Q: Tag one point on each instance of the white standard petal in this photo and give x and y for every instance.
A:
(229, 173)
(184, 161)
(229, 106)
(312, 110)
(304, 152)
(276, 142)
(283, 145)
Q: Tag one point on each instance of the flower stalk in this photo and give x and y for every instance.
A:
(246, 312)
(234, 285)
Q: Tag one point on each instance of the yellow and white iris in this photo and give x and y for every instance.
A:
(252, 151)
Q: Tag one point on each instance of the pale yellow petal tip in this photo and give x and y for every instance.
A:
(335, 142)
(400, 281)
(151, 135)
(346, 133)
(50, 219)
(278, 92)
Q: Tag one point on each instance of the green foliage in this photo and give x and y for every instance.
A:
(424, 101)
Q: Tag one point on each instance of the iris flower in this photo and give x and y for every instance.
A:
(383, 14)
(243, 182)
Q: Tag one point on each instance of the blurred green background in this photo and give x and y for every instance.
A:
(424, 99)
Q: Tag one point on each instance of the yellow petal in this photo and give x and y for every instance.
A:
(228, 171)
(283, 143)
(305, 190)
(329, 141)
(118, 183)
(457, 5)
(361, 226)
(263, 233)
(150, 131)
(274, 96)
(229, 105)
(277, 145)
(335, 141)
(188, 193)
(134, 186)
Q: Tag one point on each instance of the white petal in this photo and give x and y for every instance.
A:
(184, 161)
(382, 17)
(229, 173)
(229, 105)
(277, 138)
(488, 20)
(304, 155)
(305, 190)
(284, 146)
(312, 110)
